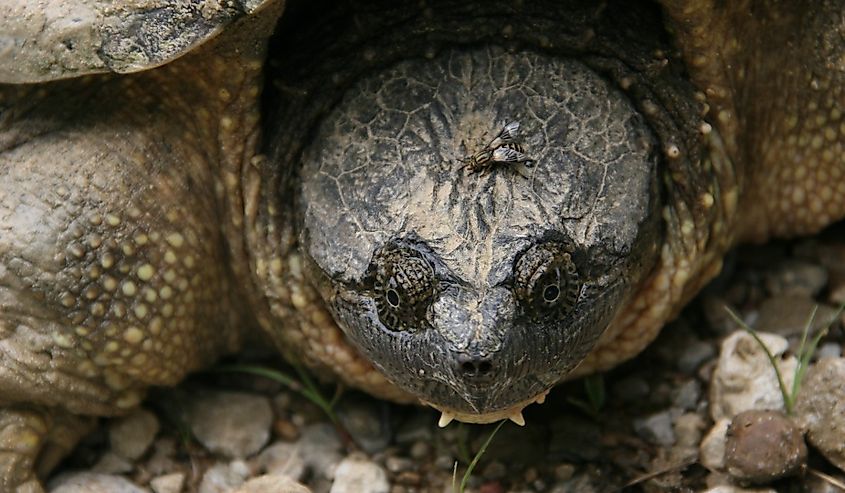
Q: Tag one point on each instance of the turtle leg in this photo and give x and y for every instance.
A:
(118, 242)
(32, 442)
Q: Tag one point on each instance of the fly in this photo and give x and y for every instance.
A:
(503, 149)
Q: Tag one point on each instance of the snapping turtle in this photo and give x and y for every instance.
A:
(148, 219)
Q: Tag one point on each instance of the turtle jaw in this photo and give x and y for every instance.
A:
(513, 413)
(477, 360)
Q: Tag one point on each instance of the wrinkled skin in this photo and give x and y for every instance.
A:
(146, 220)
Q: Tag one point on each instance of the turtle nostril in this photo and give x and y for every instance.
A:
(474, 367)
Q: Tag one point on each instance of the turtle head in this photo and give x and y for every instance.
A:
(478, 291)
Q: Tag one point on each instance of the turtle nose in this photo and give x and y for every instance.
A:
(476, 368)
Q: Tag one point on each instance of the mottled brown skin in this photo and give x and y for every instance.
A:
(140, 229)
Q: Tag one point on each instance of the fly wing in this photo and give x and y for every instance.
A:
(508, 155)
(507, 135)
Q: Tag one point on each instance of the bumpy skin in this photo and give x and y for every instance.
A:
(143, 225)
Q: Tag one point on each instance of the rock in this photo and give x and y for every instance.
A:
(420, 450)
(272, 483)
(398, 464)
(417, 427)
(693, 355)
(320, 448)
(357, 474)
(564, 471)
(366, 421)
(162, 459)
(169, 483)
(788, 315)
(796, 277)
(763, 446)
(111, 463)
(86, 482)
(744, 378)
(820, 408)
(656, 428)
(233, 424)
(223, 478)
(687, 395)
(712, 449)
(133, 434)
(281, 458)
(829, 350)
(688, 428)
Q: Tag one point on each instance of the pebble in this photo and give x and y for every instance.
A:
(420, 450)
(688, 429)
(223, 478)
(763, 446)
(694, 355)
(656, 428)
(796, 277)
(112, 463)
(820, 408)
(281, 458)
(131, 435)
(168, 483)
(829, 350)
(418, 427)
(564, 471)
(320, 449)
(744, 378)
(272, 483)
(88, 482)
(367, 422)
(687, 395)
(788, 315)
(233, 424)
(398, 464)
(712, 448)
(444, 462)
(286, 430)
(356, 474)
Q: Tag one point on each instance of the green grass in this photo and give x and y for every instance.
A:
(596, 397)
(804, 354)
(462, 487)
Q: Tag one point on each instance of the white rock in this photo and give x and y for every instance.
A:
(234, 424)
(281, 458)
(272, 483)
(223, 478)
(359, 475)
(86, 482)
(320, 447)
(712, 449)
(744, 379)
(169, 483)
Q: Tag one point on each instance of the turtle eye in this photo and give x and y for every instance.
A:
(546, 280)
(404, 287)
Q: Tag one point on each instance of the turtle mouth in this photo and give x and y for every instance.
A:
(512, 413)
